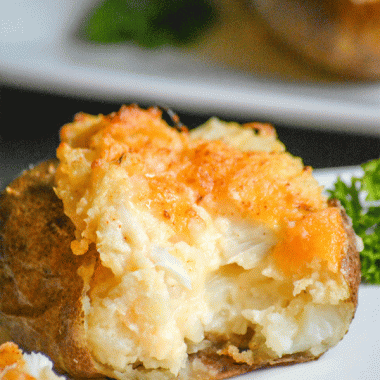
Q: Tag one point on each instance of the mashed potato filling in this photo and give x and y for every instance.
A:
(198, 241)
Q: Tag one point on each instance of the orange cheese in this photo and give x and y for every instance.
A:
(171, 175)
(12, 363)
(317, 235)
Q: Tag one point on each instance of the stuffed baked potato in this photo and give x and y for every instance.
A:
(151, 253)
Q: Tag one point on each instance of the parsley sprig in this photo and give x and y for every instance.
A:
(361, 199)
(149, 23)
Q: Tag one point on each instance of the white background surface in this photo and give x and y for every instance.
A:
(37, 50)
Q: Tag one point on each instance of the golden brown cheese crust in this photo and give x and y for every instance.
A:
(176, 172)
(173, 173)
(40, 300)
(12, 363)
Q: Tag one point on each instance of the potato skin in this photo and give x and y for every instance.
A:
(40, 296)
(351, 266)
(41, 292)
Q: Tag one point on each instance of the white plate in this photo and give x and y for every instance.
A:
(37, 50)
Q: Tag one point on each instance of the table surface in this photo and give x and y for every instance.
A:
(30, 122)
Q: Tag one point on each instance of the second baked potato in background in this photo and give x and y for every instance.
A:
(342, 36)
(179, 257)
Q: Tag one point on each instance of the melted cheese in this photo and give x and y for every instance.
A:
(16, 365)
(318, 235)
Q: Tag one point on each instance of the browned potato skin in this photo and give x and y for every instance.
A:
(41, 292)
(351, 265)
(40, 296)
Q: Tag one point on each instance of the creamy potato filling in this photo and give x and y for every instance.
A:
(163, 300)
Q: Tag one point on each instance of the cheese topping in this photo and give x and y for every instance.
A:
(318, 235)
(16, 365)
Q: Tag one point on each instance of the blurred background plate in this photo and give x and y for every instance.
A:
(237, 69)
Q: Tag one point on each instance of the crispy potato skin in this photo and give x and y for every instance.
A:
(40, 289)
(40, 296)
(226, 367)
(351, 266)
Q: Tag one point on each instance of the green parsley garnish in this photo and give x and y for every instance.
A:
(361, 198)
(149, 23)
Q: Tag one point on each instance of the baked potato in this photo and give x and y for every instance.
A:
(146, 252)
(341, 36)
